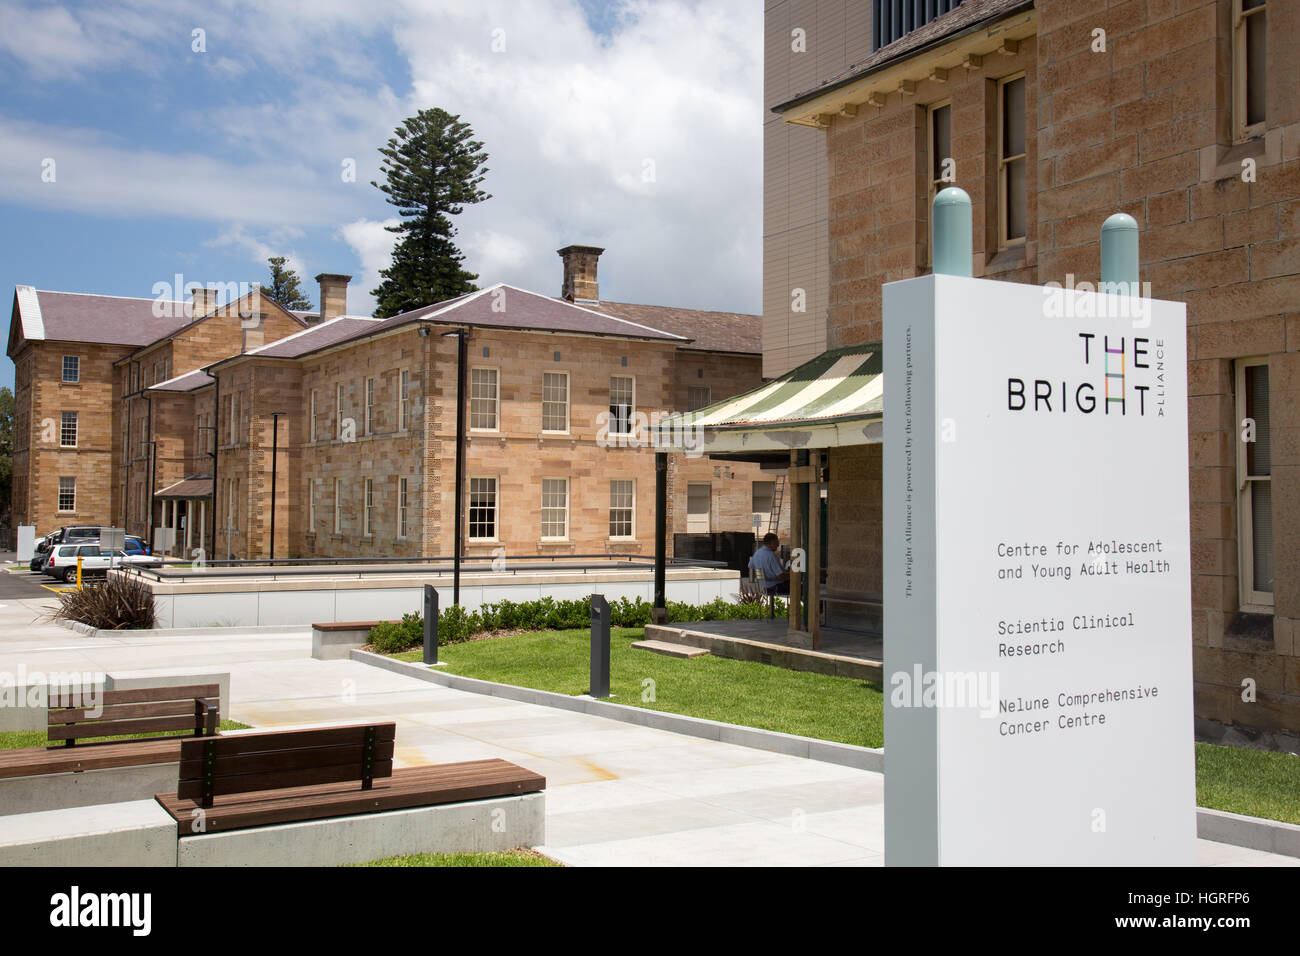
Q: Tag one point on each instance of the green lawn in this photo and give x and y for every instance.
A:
(738, 692)
(520, 857)
(1256, 783)
(14, 739)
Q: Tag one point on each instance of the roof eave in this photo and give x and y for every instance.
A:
(815, 107)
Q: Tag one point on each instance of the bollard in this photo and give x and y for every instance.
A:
(952, 233)
(430, 624)
(1119, 255)
(599, 646)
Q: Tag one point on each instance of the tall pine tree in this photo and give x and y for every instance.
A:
(284, 287)
(432, 168)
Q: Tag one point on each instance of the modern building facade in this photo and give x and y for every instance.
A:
(252, 431)
(1052, 116)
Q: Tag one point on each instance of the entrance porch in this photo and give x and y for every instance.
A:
(820, 424)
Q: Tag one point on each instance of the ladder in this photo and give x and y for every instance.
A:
(778, 495)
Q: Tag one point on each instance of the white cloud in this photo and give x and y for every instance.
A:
(275, 242)
(572, 122)
(373, 245)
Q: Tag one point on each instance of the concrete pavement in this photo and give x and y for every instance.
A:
(617, 793)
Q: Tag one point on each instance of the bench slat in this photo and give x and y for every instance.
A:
(192, 769)
(32, 761)
(408, 787)
(117, 728)
(225, 784)
(170, 708)
(287, 740)
(138, 695)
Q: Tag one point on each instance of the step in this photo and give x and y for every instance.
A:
(670, 650)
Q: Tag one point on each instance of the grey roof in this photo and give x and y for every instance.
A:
(187, 382)
(498, 306)
(99, 319)
(709, 331)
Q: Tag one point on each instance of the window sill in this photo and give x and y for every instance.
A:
(1219, 162)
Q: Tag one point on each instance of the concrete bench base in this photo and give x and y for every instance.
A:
(477, 826)
(334, 643)
(133, 833)
(141, 833)
(56, 791)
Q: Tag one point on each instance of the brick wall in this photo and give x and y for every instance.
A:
(41, 396)
(1143, 127)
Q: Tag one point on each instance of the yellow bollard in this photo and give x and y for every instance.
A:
(78, 572)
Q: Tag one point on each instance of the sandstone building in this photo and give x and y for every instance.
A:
(1052, 115)
(147, 414)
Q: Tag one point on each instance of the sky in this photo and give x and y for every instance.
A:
(144, 140)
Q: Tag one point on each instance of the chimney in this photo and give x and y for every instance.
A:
(580, 284)
(205, 300)
(333, 295)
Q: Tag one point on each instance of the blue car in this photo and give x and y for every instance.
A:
(134, 545)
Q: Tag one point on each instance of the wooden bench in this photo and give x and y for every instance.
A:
(238, 781)
(118, 714)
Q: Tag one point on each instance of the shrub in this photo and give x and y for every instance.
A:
(119, 603)
(455, 624)
(389, 637)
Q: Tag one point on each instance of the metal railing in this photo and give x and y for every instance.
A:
(361, 567)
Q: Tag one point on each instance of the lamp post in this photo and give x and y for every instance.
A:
(153, 478)
(213, 455)
(275, 442)
(461, 344)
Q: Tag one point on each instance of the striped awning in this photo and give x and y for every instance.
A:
(833, 400)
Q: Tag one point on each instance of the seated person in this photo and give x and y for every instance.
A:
(776, 579)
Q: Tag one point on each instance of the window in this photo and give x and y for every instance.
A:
(312, 416)
(555, 508)
(230, 506)
(338, 505)
(1254, 484)
(622, 507)
(484, 393)
(232, 437)
(622, 401)
(939, 157)
(403, 398)
(894, 19)
(368, 510)
(68, 430)
(699, 502)
(555, 401)
(401, 507)
(311, 506)
(370, 406)
(1249, 77)
(71, 369)
(67, 494)
(482, 509)
(338, 411)
(698, 397)
(1011, 161)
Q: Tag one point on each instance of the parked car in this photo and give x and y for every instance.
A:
(42, 552)
(95, 561)
(135, 545)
